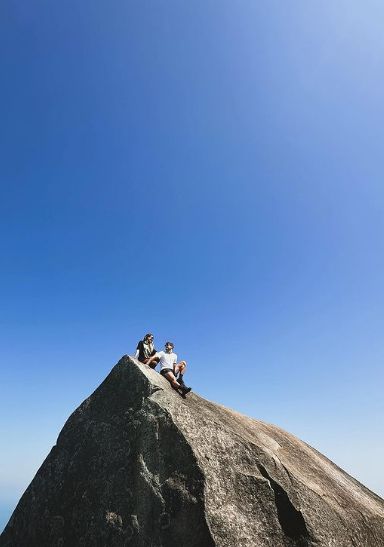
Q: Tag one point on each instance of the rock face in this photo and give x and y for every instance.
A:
(138, 465)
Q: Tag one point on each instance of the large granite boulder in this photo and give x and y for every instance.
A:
(138, 465)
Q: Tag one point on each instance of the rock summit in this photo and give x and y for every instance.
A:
(137, 465)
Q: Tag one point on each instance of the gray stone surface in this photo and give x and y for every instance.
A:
(138, 465)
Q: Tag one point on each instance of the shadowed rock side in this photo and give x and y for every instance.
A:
(137, 465)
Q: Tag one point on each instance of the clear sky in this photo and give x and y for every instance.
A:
(210, 171)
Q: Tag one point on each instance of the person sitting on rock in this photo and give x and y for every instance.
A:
(146, 350)
(170, 368)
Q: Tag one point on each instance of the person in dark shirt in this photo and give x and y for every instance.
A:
(145, 351)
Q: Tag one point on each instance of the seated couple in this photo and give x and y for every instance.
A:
(169, 367)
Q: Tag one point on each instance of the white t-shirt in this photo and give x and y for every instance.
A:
(167, 360)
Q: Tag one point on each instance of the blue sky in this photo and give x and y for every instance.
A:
(211, 172)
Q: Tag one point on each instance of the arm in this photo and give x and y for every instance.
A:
(138, 348)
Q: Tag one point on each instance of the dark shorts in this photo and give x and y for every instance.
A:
(165, 371)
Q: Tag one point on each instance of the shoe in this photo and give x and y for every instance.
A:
(185, 389)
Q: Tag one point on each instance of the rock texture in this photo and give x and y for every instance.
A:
(138, 465)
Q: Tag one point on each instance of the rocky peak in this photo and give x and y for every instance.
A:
(138, 465)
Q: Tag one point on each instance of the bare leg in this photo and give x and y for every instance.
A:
(171, 378)
(154, 362)
(180, 368)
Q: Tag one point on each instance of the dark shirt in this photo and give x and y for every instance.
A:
(143, 351)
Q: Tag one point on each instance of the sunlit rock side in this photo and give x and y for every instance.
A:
(138, 465)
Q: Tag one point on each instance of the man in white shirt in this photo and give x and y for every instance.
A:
(170, 368)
